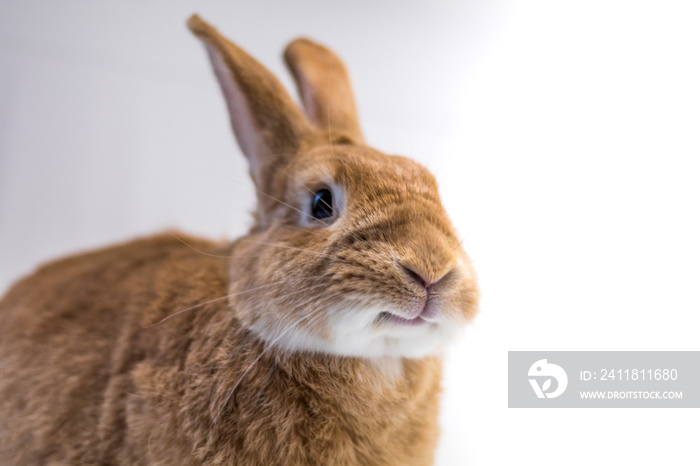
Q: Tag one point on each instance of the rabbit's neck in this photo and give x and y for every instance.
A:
(356, 386)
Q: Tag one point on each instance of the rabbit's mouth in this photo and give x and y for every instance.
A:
(424, 314)
(389, 318)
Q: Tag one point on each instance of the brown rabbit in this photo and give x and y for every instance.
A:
(314, 339)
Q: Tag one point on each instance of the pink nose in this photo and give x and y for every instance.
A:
(419, 277)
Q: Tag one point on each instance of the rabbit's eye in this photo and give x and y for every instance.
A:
(322, 205)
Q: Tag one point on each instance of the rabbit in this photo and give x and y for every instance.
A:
(316, 338)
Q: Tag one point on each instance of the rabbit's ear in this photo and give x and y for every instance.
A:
(325, 89)
(268, 125)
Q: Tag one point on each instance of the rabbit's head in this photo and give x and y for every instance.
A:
(351, 252)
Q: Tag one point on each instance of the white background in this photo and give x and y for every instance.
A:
(564, 136)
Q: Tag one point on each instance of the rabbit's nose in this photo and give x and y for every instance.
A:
(426, 255)
(416, 276)
(422, 275)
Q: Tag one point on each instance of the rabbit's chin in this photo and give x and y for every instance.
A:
(365, 333)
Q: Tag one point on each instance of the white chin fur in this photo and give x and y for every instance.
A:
(355, 334)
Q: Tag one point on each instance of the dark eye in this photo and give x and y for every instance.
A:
(322, 205)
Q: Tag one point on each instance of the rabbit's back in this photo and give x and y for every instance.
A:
(73, 331)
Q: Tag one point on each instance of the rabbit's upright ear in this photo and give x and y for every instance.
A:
(268, 125)
(325, 89)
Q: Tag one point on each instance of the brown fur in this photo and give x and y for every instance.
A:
(86, 382)
(163, 350)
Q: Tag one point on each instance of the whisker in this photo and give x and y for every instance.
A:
(213, 301)
(262, 353)
(284, 246)
(301, 304)
(289, 177)
(460, 243)
(187, 309)
(251, 255)
(235, 256)
(195, 249)
(312, 231)
(294, 208)
(274, 198)
(330, 81)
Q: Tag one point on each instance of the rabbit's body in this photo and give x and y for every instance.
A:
(90, 373)
(313, 339)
